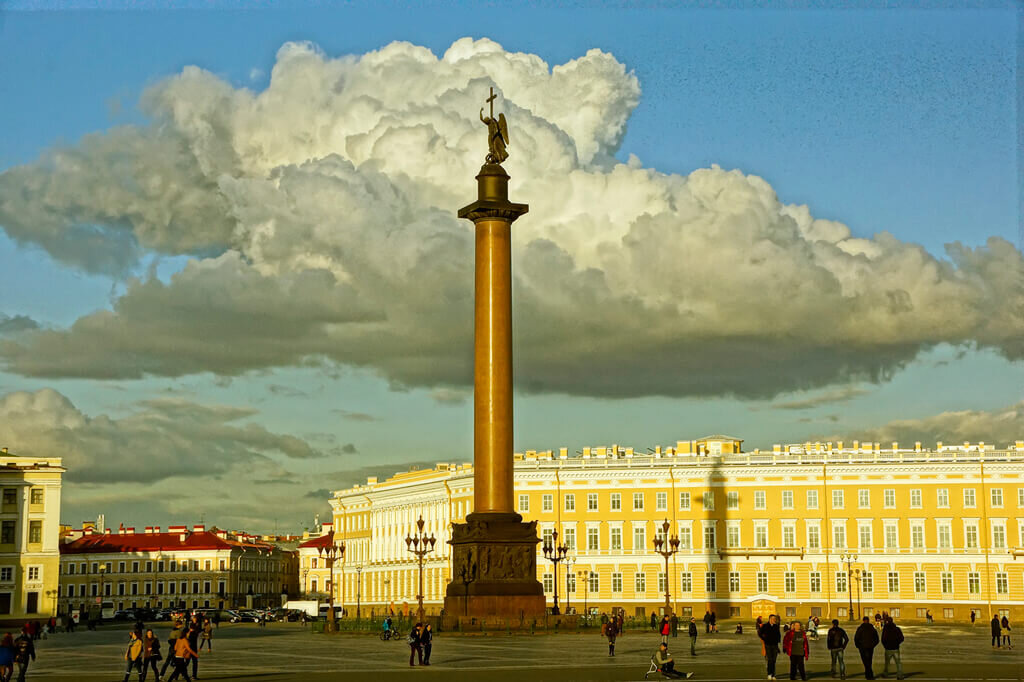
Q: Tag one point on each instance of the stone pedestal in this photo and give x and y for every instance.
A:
(494, 568)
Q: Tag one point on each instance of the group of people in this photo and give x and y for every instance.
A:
(18, 652)
(184, 643)
(420, 640)
(1000, 632)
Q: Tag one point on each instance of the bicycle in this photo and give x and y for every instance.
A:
(385, 635)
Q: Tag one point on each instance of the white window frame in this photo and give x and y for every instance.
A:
(787, 499)
(684, 501)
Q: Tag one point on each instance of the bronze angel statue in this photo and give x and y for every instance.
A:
(497, 133)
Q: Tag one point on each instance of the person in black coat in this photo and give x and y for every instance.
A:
(427, 640)
(837, 641)
(771, 636)
(996, 632)
(866, 639)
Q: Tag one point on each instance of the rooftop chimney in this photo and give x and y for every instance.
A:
(199, 528)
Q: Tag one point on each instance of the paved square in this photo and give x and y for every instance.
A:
(286, 651)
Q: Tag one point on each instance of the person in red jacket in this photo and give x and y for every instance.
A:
(796, 647)
(666, 629)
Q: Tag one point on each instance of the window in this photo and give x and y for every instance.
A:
(1020, 497)
(787, 499)
(812, 499)
(732, 536)
(867, 582)
(524, 503)
(616, 582)
(10, 496)
(999, 535)
(71, 591)
(915, 498)
(790, 581)
(945, 532)
(662, 582)
(570, 503)
(734, 581)
(549, 582)
(591, 501)
(864, 498)
(71, 569)
(34, 574)
(889, 498)
(638, 501)
(640, 583)
(149, 567)
(547, 539)
(942, 498)
(894, 581)
(708, 500)
(6, 532)
(36, 496)
(710, 582)
(639, 537)
(661, 501)
(1002, 583)
(974, 583)
(547, 503)
(813, 536)
(35, 532)
(864, 535)
(31, 602)
(997, 497)
(120, 589)
(969, 498)
(760, 501)
(815, 582)
(789, 536)
(616, 502)
(917, 535)
(709, 536)
(686, 582)
(946, 580)
(732, 500)
(616, 537)
(891, 536)
(761, 535)
(839, 536)
(971, 535)
(837, 499)
(135, 567)
(595, 582)
(684, 501)
(686, 537)
(570, 582)
(570, 539)
(593, 539)
(919, 582)
(841, 581)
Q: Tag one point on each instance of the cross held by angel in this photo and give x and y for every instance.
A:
(497, 133)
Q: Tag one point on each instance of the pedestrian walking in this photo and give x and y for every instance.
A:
(666, 629)
(892, 638)
(928, 616)
(675, 625)
(192, 633)
(150, 655)
(183, 651)
(654, 621)
(133, 656)
(611, 631)
(797, 648)
(207, 636)
(996, 632)
(771, 638)
(415, 645)
(866, 639)
(714, 622)
(692, 631)
(6, 657)
(24, 652)
(216, 619)
(707, 622)
(172, 641)
(1005, 623)
(427, 640)
(837, 641)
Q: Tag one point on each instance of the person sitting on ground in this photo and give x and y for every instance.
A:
(666, 665)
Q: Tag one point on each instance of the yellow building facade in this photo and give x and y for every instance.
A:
(30, 489)
(829, 529)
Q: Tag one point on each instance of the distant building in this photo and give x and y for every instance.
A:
(315, 579)
(182, 567)
(924, 529)
(29, 532)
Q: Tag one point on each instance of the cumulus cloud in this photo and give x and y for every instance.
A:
(164, 439)
(10, 324)
(1000, 427)
(320, 214)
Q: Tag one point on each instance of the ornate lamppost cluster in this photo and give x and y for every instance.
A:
(330, 554)
(666, 546)
(849, 558)
(420, 545)
(555, 553)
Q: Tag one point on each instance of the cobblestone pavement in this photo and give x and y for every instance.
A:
(286, 651)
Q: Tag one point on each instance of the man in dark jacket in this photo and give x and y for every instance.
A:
(172, 639)
(771, 637)
(707, 621)
(866, 639)
(24, 650)
(892, 637)
(654, 621)
(996, 639)
(837, 641)
(194, 629)
(675, 625)
(692, 631)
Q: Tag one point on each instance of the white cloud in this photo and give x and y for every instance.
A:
(1000, 427)
(321, 212)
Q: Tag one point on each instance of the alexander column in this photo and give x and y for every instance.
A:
(494, 554)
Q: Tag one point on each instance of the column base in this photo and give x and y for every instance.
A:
(494, 568)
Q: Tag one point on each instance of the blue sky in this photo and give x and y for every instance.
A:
(886, 120)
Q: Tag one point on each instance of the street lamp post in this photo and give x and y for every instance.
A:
(554, 553)
(849, 557)
(585, 576)
(666, 546)
(420, 545)
(305, 590)
(359, 592)
(331, 554)
(858, 593)
(569, 562)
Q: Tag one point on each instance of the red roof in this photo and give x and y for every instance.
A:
(148, 542)
(322, 541)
